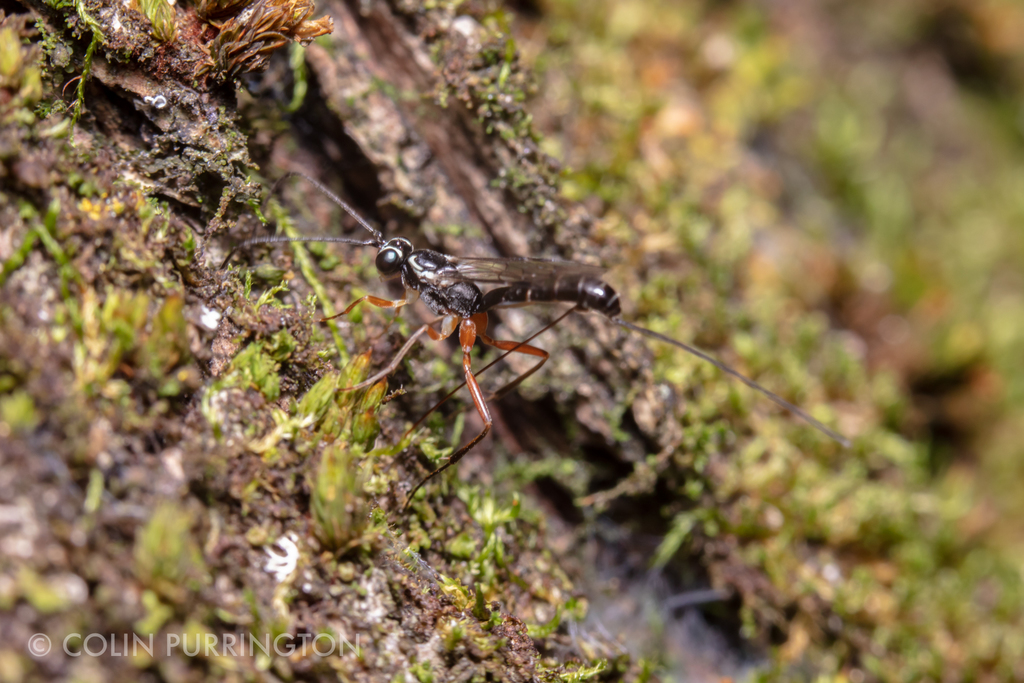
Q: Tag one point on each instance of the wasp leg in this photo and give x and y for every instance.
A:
(376, 301)
(467, 337)
(516, 347)
(447, 327)
(390, 367)
(512, 347)
(506, 346)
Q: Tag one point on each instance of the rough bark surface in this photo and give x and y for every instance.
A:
(184, 430)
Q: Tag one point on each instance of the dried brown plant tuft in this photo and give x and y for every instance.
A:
(247, 39)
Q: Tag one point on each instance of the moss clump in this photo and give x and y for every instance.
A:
(20, 76)
(162, 16)
(167, 558)
(17, 413)
(250, 32)
(257, 369)
(339, 500)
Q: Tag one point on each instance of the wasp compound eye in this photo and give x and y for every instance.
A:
(389, 260)
(392, 256)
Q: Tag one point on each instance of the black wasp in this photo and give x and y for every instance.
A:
(454, 289)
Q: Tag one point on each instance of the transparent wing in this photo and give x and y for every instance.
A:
(506, 271)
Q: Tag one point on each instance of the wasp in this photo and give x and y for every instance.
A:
(461, 291)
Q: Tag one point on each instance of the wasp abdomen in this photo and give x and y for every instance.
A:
(589, 293)
(597, 295)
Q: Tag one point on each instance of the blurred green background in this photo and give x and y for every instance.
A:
(866, 161)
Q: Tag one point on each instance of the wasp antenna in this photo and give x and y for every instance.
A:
(378, 238)
(275, 239)
(775, 398)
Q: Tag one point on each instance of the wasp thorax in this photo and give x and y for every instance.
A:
(392, 256)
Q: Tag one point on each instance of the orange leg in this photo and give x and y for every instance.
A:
(376, 301)
(468, 331)
(516, 347)
(387, 370)
(508, 347)
(384, 303)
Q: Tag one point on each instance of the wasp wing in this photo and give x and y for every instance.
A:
(507, 271)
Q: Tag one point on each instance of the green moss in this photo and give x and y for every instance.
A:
(17, 259)
(20, 77)
(297, 62)
(463, 546)
(258, 370)
(308, 272)
(423, 672)
(157, 614)
(167, 558)
(545, 630)
(45, 596)
(79, 106)
(579, 672)
(108, 332)
(162, 16)
(166, 346)
(94, 494)
(10, 54)
(281, 345)
(18, 412)
(338, 504)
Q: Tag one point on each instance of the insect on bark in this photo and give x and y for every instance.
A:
(454, 289)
